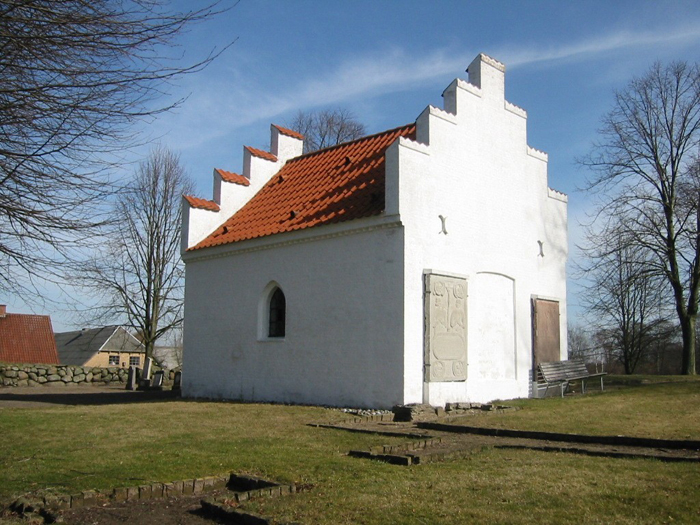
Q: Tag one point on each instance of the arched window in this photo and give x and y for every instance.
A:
(277, 314)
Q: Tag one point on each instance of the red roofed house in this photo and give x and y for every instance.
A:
(26, 338)
(424, 264)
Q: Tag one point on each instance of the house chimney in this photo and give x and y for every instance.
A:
(3, 310)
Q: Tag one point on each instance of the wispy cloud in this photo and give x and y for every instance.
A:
(603, 44)
(219, 107)
(396, 70)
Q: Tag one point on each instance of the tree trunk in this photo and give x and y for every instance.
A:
(688, 329)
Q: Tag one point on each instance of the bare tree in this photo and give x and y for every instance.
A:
(579, 344)
(76, 76)
(663, 353)
(139, 276)
(644, 172)
(624, 293)
(178, 347)
(322, 129)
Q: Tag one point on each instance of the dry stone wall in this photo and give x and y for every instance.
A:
(59, 375)
(14, 374)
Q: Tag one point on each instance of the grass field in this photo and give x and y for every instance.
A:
(100, 447)
(632, 406)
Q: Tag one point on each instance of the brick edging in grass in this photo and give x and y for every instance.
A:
(389, 433)
(396, 454)
(225, 506)
(376, 418)
(405, 447)
(50, 504)
(676, 444)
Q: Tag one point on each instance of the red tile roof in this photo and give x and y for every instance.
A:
(229, 176)
(27, 339)
(262, 154)
(203, 204)
(289, 132)
(337, 184)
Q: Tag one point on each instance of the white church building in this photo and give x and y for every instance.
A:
(423, 264)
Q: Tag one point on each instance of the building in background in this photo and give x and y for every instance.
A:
(26, 338)
(100, 347)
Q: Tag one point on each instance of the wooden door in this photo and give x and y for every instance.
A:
(545, 329)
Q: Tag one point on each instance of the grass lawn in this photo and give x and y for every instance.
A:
(100, 447)
(661, 407)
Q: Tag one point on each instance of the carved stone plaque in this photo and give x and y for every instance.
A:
(445, 328)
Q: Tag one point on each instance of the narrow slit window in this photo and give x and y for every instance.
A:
(278, 314)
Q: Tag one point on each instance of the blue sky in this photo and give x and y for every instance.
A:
(387, 60)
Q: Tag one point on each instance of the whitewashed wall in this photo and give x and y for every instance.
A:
(344, 328)
(474, 167)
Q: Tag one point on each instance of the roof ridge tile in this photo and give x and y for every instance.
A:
(261, 154)
(235, 178)
(289, 132)
(202, 204)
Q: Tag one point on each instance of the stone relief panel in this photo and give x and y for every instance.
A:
(445, 328)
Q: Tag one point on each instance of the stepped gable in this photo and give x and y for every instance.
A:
(336, 184)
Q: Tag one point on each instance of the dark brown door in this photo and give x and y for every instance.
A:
(545, 327)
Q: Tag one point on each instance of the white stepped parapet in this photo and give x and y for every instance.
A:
(515, 109)
(405, 142)
(258, 163)
(403, 156)
(537, 154)
(554, 194)
(285, 144)
(450, 94)
(488, 75)
(231, 191)
(199, 218)
(425, 119)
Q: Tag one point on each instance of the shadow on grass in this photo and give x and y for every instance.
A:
(87, 398)
(637, 380)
